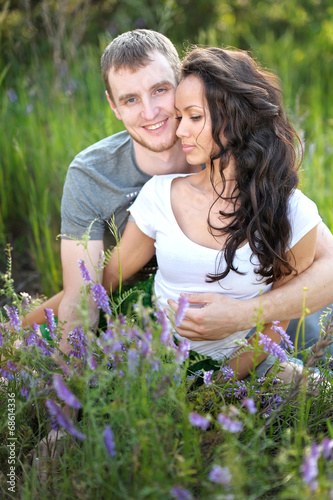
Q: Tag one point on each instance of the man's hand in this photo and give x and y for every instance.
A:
(213, 316)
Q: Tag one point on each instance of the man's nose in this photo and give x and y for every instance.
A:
(149, 109)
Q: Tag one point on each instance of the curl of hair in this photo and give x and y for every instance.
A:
(245, 104)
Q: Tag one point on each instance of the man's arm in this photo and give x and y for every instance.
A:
(222, 315)
(71, 252)
(134, 251)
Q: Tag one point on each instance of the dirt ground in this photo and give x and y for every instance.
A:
(25, 275)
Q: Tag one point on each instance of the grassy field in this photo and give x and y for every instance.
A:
(151, 425)
(50, 115)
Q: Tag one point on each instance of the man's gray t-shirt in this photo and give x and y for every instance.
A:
(103, 180)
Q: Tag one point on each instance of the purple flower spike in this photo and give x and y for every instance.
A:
(182, 306)
(272, 347)
(101, 298)
(109, 441)
(220, 475)
(284, 336)
(327, 448)
(64, 393)
(92, 362)
(249, 404)
(180, 493)
(61, 420)
(228, 424)
(84, 272)
(198, 421)
(166, 336)
(78, 340)
(309, 468)
(14, 318)
(207, 377)
(51, 324)
(227, 372)
(25, 392)
(182, 351)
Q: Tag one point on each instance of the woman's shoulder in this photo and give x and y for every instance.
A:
(300, 202)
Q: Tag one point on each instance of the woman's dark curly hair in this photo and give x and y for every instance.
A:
(245, 104)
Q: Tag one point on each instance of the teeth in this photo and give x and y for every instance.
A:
(154, 127)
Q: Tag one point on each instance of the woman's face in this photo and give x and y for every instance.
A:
(195, 126)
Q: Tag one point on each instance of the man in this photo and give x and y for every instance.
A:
(140, 71)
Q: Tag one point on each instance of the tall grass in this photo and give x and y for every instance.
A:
(48, 124)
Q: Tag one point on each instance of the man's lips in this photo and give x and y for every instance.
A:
(155, 126)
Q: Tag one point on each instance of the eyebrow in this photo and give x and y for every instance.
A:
(123, 97)
(191, 106)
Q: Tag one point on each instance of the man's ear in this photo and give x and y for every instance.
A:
(112, 106)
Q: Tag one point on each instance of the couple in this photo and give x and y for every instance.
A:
(252, 208)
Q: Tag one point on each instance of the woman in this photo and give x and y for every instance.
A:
(239, 226)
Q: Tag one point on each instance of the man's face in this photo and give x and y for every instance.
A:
(144, 101)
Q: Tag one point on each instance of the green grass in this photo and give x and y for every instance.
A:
(55, 117)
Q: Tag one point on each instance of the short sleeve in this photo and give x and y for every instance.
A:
(303, 216)
(143, 210)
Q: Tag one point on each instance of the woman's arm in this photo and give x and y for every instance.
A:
(134, 251)
(223, 315)
(301, 257)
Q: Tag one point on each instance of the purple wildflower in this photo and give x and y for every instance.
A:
(327, 445)
(84, 272)
(182, 306)
(309, 467)
(109, 441)
(92, 362)
(284, 336)
(220, 475)
(239, 389)
(25, 392)
(78, 341)
(249, 404)
(182, 351)
(166, 336)
(5, 373)
(180, 493)
(64, 393)
(155, 365)
(227, 372)
(11, 366)
(228, 424)
(33, 339)
(1, 338)
(207, 377)
(198, 421)
(272, 347)
(51, 324)
(61, 420)
(14, 318)
(12, 96)
(101, 298)
(26, 299)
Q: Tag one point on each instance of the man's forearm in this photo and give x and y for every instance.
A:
(312, 287)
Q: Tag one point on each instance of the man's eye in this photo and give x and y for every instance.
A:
(160, 91)
(130, 100)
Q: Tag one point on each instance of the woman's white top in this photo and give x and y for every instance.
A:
(183, 265)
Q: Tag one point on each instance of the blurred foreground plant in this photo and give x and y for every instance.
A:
(152, 423)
